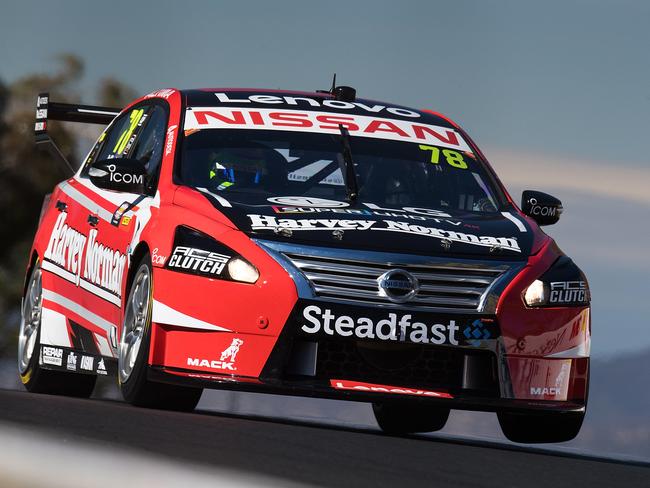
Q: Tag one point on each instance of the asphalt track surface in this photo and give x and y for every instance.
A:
(309, 452)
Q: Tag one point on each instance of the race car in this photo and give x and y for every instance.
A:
(302, 243)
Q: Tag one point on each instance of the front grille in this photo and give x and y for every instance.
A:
(456, 286)
(415, 366)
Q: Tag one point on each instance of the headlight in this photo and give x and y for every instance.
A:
(563, 285)
(240, 270)
(536, 295)
(199, 254)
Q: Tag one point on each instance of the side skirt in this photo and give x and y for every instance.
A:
(70, 360)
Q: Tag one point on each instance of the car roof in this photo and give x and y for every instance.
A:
(304, 100)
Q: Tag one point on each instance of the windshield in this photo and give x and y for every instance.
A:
(248, 166)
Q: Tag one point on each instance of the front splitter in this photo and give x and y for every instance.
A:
(322, 389)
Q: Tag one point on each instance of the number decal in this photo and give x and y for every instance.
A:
(453, 158)
(121, 143)
(435, 153)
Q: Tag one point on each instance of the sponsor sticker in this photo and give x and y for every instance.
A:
(157, 258)
(170, 139)
(87, 363)
(266, 222)
(412, 213)
(397, 390)
(164, 93)
(563, 292)
(391, 327)
(226, 361)
(313, 102)
(71, 362)
(316, 318)
(307, 202)
(85, 256)
(101, 367)
(544, 391)
(189, 258)
(323, 122)
(52, 355)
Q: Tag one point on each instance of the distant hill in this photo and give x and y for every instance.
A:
(618, 418)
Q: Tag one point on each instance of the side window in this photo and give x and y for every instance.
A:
(150, 143)
(119, 141)
(137, 134)
(111, 143)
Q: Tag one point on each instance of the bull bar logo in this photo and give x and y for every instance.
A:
(226, 361)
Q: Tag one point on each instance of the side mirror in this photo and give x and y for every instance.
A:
(541, 207)
(118, 174)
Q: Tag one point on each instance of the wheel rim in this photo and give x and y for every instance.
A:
(135, 321)
(30, 320)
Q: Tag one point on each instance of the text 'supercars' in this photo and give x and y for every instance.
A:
(305, 244)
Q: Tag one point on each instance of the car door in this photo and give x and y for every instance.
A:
(112, 219)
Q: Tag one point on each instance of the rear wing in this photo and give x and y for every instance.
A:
(67, 112)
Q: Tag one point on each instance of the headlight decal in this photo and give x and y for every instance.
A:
(197, 253)
(198, 260)
(563, 285)
(568, 292)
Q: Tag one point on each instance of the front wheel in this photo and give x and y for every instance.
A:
(407, 418)
(134, 352)
(534, 428)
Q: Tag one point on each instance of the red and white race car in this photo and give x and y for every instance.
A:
(305, 244)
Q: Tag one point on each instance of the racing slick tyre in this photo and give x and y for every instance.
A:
(134, 351)
(534, 428)
(408, 418)
(35, 378)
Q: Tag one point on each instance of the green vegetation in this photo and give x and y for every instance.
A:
(27, 174)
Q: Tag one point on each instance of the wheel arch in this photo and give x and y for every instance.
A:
(34, 257)
(141, 249)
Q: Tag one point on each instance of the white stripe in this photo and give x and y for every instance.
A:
(86, 285)
(221, 200)
(164, 314)
(78, 309)
(97, 112)
(117, 198)
(54, 328)
(515, 221)
(405, 128)
(86, 202)
(104, 348)
(580, 351)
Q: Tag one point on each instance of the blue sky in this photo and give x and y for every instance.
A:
(541, 86)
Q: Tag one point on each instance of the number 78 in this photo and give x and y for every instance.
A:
(453, 158)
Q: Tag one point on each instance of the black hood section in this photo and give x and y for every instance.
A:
(368, 226)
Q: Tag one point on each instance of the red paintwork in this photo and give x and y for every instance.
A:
(528, 334)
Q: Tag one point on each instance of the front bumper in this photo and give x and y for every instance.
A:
(472, 375)
(502, 356)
